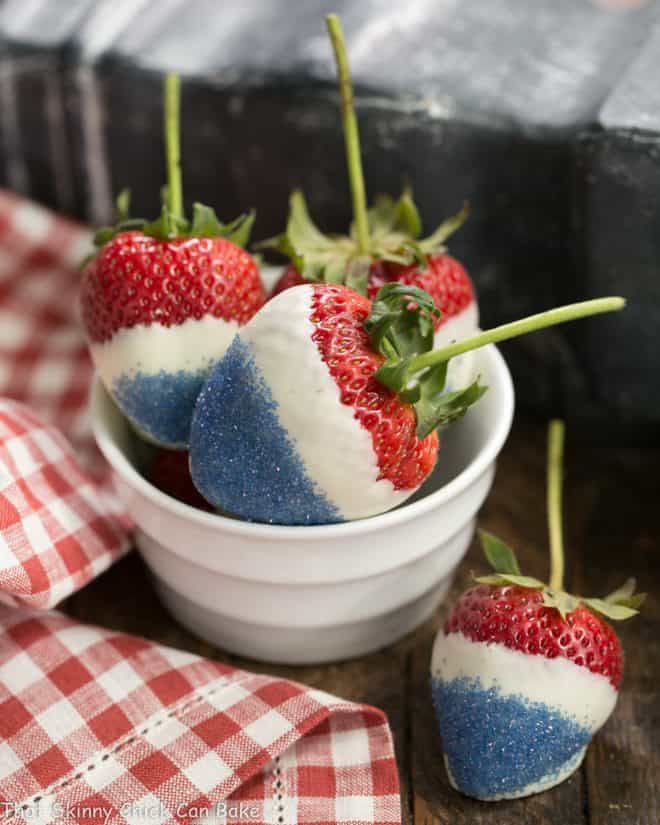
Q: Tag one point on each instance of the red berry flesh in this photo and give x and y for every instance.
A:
(517, 618)
(338, 315)
(445, 279)
(136, 279)
(170, 473)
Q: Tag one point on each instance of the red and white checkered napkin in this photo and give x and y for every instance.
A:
(59, 525)
(99, 727)
(43, 356)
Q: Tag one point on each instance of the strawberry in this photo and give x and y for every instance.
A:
(305, 365)
(170, 473)
(519, 618)
(384, 243)
(443, 277)
(524, 674)
(325, 406)
(338, 317)
(162, 300)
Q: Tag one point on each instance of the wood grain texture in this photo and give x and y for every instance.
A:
(621, 539)
(612, 531)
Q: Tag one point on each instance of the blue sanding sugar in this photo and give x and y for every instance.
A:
(242, 459)
(160, 404)
(498, 744)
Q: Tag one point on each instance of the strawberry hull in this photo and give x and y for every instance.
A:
(271, 440)
(155, 373)
(513, 724)
(459, 319)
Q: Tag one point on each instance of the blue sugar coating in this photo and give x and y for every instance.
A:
(242, 459)
(498, 744)
(160, 405)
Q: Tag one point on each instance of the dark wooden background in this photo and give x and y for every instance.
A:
(612, 531)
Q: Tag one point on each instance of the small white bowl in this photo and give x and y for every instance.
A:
(314, 594)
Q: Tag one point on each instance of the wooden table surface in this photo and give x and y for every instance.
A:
(612, 531)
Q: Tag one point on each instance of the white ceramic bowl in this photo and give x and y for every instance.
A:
(314, 594)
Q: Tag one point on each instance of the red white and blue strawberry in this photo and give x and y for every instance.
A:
(162, 300)
(325, 406)
(524, 674)
(384, 244)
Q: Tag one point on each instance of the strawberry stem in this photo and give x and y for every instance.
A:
(550, 318)
(172, 144)
(351, 134)
(554, 503)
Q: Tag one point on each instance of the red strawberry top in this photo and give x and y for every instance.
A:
(338, 316)
(444, 279)
(517, 618)
(138, 279)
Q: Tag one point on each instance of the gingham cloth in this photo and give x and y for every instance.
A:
(59, 525)
(99, 727)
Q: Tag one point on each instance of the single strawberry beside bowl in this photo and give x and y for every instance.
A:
(325, 406)
(162, 300)
(524, 674)
(384, 244)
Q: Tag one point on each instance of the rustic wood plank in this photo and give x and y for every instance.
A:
(515, 512)
(623, 763)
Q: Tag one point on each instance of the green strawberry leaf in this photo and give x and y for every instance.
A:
(403, 316)
(502, 579)
(406, 215)
(498, 554)
(355, 271)
(380, 217)
(238, 231)
(394, 230)
(205, 222)
(387, 217)
(437, 409)
(316, 256)
(565, 603)
(435, 241)
(623, 593)
(400, 326)
(621, 604)
(103, 235)
(167, 226)
(617, 612)
(635, 602)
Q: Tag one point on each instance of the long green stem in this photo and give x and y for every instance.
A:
(351, 133)
(555, 473)
(172, 144)
(571, 312)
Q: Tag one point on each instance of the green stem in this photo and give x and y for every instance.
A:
(555, 472)
(172, 144)
(571, 312)
(351, 133)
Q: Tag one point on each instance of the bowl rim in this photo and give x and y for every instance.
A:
(405, 512)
